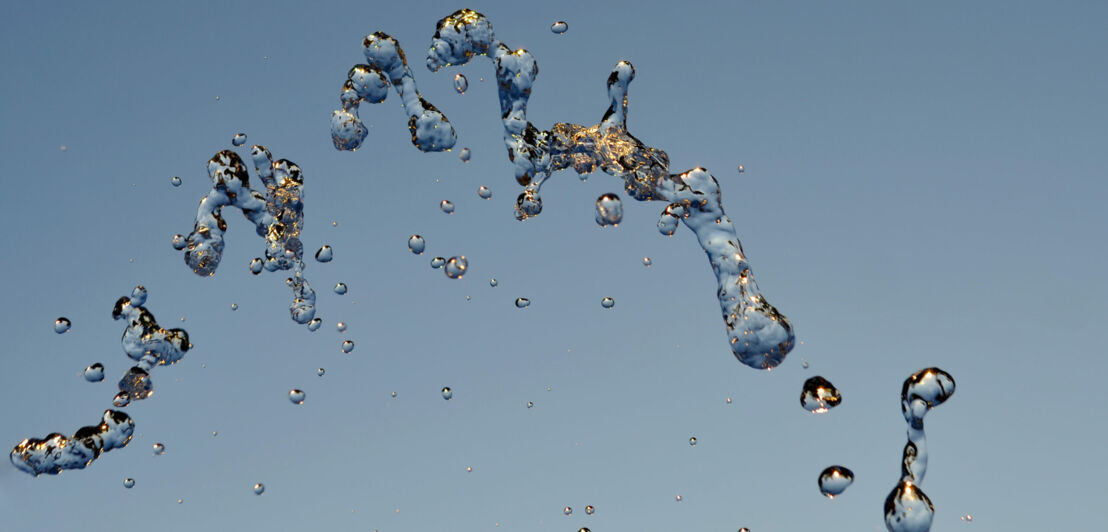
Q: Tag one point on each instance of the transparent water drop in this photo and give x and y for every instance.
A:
(259, 488)
(469, 469)
(121, 400)
(234, 306)
(447, 393)
(483, 192)
(137, 384)
(175, 181)
(744, 529)
(530, 404)
(834, 480)
(438, 262)
(607, 302)
(417, 244)
(456, 267)
(667, 224)
(559, 27)
(128, 483)
(678, 498)
(94, 373)
(138, 296)
(256, 266)
(341, 326)
(320, 372)
(728, 400)
(460, 83)
(493, 282)
(548, 388)
(967, 518)
(61, 325)
(589, 510)
(314, 324)
(464, 155)
(647, 262)
(239, 139)
(347, 346)
(340, 288)
(394, 394)
(568, 511)
(296, 397)
(804, 364)
(324, 254)
(609, 210)
(819, 395)
(522, 302)
(178, 242)
(740, 168)
(446, 206)
(159, 449)
(692, 441)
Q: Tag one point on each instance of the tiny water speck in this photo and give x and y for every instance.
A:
(522, 302)
(438, 262)
(483, 192)
(128, 483)
(568, 511)
(460, 83)
(340, 288)
(341, 326)
(446, 206)
(320, 372)
(159, 449)
(464, 155)
(607, 303)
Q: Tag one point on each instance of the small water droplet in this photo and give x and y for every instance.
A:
(819, 395)
(347, 346)
(464, 155)
(325, 254)
(968, 518)
(314, 324)
(447, 206)
(234, 306)
(804, 363)
(340, 288)
(159, 449)
(460, 83)
(259, 488)
(584, 529)
(175, 181)
(63, 147)
(438, 262)
(484, 192)
(341, 326)
(728, 400)
(178, 242)
(61, 325)
(456, 267)
(692, 441)
(256, 266)
(493, 282)
(522, 302)
(447, 393)
(239, 139)
(530, 404)
(609, 210)
(834, 480)
(559, 27)
(589, 510)
(128, 483)
(320, 372)
(678, 498)
(121, 399)
(647, 262)
(94, 373)
(667, 223)
(296, 396)
(607, 302)
(417, 244)
(568, 511)
(394, 394)
(740, 168)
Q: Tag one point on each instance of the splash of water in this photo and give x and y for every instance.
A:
(147, 343)
(277, 216)
(907, 508)
(55, 452)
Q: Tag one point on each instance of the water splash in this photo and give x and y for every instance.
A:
(277, 216)
(907, 508)
(760, 336)
(55, 453)
(147, 343)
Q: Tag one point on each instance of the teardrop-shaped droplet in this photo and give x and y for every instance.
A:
(340, 288)
(692, 441)
(314, 324)
(456, 267)
(568, 511)
(175, 181)
(256, 266)
(522, 302)
(347, 346)
(128, 483)
(417, 244)
(234, 306)
(239, 139)
(325, 254)
(933, 386)
(559, 27)
(607, 302)
(159, 449)
(678, 498)
(61, 325)
(447, 206)
(609, 210)
(447, 393)
(341, 326)
(819, 395)
(908, 509)
(259, 488)
(296, 397)
(483, 192)
(460, 83)
(438, 262)
(667, 224)
(94, 373)
(834, 480)
(464, 155)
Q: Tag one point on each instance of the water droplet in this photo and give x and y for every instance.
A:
(159, 449)
(325, 254)
(259, 488)
(464, 155)
(447, 393)
(417, 244)
(438, 262)
(340, 288)
(908, 509)
(460, 83)
(607, 302)
(94, 373)
(61, 325)
(347, 346)
(456, 267)
(447, 206)
(819, 395)
(834, 480)
(341, 326)
(589, 510)
(394, 394)
(967, 518)
(121, 399)
(609, 210)
(320, 372)
(63, 147)
(296, 396)
(314, 324)
(493, 282)
(256, 266)
(568, 511)
(740, 168)
(522, 302)
(559, 27)
(692, 441)
(530, 404)
(234, 306)
(178, 242)
(484, 192)
(804, 364)
(667, 224)
(239, 139)
(647, 262)
(679, 499)
(176, 181)
(181, 501)
(128, 483)
(728, 400)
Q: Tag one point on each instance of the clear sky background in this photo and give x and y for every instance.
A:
(924, 186)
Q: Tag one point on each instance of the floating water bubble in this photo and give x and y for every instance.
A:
(667, 224)
(647, 262)
(460, 83)
(417, 244)
(347, 346)
(55, 453)
(256, 266)
(464, 155)
(589, 510)
(341, 326)
(175, 181)
(394, 394)
(522, 302)
(121, 400)
(438, 262)
(239, 139)
(692, 441)
(456, 267)
(178, 242)
(559, 27)
(296, 397)
(609, 210)
(483, 192)
(324, 254)
(314, 324)
(493, 282)
(834, 480)
(128, 483)
(568, 511)
(340, 288)
(159, 449)
(819, 395)
(447, 393)
(259, 488)
(446, 206)
(94, 373)
(607, 302)
(62, 325)
(320, 372)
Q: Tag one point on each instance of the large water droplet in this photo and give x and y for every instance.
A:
(464, 155)
(522, 302)
(456, 267)
(340, 288)
(438, 262)
(61, 325)
(128, 483)
(607, 302)
(692, 441)
(417, 244)
(460, 83)
(239, 139)
(609, 210)
(178, 242)
(175, 181)
(447, 206)
(484, 192)
(834, 480)
(94, 373)
(325, 254)
(259, 488)
(296, 397)
(559, 27)
(568, 511)
(159, 449)
(347, 346)
(447, 393)
(740, 168)
(819, 395)
(908, 509)
(314, 324)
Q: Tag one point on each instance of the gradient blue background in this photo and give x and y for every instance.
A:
(924, 185)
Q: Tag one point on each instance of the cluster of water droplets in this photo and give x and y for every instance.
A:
(147, 343)
(277, 215)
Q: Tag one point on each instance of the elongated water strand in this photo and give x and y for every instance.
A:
(147, 343)
(55, 453)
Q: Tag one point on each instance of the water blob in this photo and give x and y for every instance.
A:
(647, 262)
(239, 139)
(394, 394)
(728, 400)
(464, 155)
(55, 453)
(128, 483)
(589, 510)
(234, 306)
(121, 400)
(416, 244)
(607, 302)
(178, 242)
(175, 181)
(159, 449)
(522, 302)
(679, 498)
(692, 441)
(740, 168)
(460, 83)
(819, 395)
(340, 288)
(804, 364)
(447, 393)
(94, 373)
(320, 372)
(483, 192)
(296, 397)
(259, 488)
(324, 254)
(834, 480)
(438, 262)
(493, 282)
(347, 346)
(667, 224)
(456, 267)
(446, 206)
(559, 27)
(256, 266)
(341, 326)
(61, 325)
(609, 210)
(314, 324)
(568, 511)
(530, 404)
